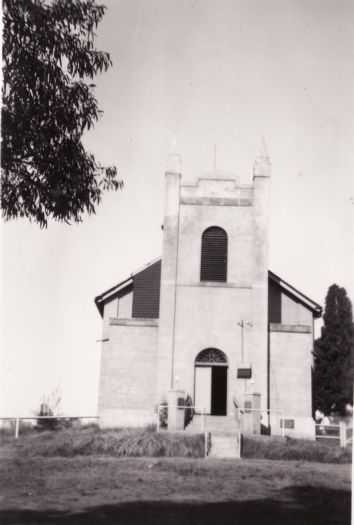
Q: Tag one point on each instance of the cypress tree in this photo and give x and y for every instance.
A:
(334, 354)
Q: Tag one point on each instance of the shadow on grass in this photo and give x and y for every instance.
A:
(295, 506)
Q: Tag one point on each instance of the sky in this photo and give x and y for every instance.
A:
(208, 72)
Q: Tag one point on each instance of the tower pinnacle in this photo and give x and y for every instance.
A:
(174, 161)
(261, 167)
(263, 149)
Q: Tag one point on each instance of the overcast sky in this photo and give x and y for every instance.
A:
(210, 72)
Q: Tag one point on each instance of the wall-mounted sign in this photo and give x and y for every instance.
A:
(244, 373)
(288, 423)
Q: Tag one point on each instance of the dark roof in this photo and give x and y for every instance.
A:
(299, 296)
(315, 308)
(101, 299)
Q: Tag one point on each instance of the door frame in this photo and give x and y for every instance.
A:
(211, 365)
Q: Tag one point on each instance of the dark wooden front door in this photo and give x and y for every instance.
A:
(219, 390)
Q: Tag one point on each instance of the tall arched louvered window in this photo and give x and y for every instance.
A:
(213, 265)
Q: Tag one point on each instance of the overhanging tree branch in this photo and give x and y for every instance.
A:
(47, 105)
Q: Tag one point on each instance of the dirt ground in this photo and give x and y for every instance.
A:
(101, 490)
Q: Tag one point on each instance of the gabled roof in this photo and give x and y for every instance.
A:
(101, 299)
(315, 308)
(299, 296)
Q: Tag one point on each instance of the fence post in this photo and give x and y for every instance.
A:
(17, 427)
(283, 424)
(343, 434)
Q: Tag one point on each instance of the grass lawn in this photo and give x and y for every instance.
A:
(170, 491)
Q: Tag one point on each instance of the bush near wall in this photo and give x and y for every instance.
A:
(293, 449)
(122, 442)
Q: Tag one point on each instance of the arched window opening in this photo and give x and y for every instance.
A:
(213, 265)
(211, 356)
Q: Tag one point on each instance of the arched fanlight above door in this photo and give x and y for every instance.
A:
(210, 356)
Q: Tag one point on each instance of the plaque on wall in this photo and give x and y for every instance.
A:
(288, 423)
(244, 373)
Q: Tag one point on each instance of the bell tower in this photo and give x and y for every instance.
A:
(214, 278)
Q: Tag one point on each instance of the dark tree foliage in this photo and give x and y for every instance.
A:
(334, 354)
(47, 104)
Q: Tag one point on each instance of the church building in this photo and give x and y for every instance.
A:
(208, 318)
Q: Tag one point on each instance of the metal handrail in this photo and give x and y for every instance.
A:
(324, 425)
(244, 410)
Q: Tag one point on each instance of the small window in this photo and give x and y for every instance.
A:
(213, 265)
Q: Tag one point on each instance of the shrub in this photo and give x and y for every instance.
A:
(293, 449)
(163, 414)
(188, 411)
(46, 424)
(113, 442)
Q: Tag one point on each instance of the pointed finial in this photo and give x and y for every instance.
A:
(262, 164)
(263, 149)
(174, 161)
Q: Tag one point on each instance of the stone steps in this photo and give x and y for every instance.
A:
(215, 424)
(224, 436)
